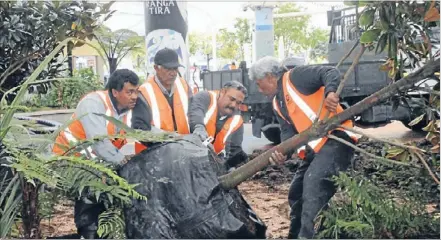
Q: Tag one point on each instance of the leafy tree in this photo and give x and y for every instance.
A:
(292, 29)
(30, 30)
(243, 34)
(199, 43)
(296, 32)
(227, 46)
(116, 45)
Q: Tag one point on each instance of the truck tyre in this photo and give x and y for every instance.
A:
(272, 134)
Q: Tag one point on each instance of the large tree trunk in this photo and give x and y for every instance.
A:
(30, 216)
(320, 129)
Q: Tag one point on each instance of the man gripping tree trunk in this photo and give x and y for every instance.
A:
(216, 114)
(297, 97)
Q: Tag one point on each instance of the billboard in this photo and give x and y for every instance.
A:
(166, 27)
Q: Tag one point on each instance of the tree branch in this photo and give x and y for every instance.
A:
(421, 159)
(347, 74)
(337, 66)
(382, 140)
(321, 129)
(382, 159)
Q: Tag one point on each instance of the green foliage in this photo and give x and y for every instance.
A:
(10, 197)
(70, 175)
(114, 46)
(199, 43)
(243, 34)
(380, 201)
(367, 211)
(227, 45)
(67, 92)
(296, 32)
(111, 224)
(403, 29)
(30, 30)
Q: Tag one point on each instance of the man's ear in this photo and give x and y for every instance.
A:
(114, 92)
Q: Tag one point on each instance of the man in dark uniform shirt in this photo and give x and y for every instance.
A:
(297, 96)
(221, 109)
(162, 104)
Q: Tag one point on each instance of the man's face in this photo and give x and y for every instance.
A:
(229, 101)
(127, 96)
(267, 85)
(167, 76)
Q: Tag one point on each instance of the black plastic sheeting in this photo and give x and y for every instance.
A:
(180, 180)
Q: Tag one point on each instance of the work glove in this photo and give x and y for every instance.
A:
(199, 130)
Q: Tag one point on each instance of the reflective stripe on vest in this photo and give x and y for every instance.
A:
(75, 131)
(231, 125)
(160, 108)
(302, 111)
(276, 107)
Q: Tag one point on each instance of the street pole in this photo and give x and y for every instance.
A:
(263, 38)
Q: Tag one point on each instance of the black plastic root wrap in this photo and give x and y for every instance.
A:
(180, 180)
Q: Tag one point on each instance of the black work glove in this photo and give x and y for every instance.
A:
(199, 130)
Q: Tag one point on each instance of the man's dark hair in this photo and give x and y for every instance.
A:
(121, 76)
(236, 85)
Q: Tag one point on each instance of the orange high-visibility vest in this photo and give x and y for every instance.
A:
(162, 116)
(230, 126)
(303, 109)
(75, 131)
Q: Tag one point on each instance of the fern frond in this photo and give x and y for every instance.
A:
(33, 167)
(111, 224)
(105, 170)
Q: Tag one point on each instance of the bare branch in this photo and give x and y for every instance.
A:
(382, 159)
(382, 140)
(348, 54)
(347, 74)
(421, 159)
(337, 66)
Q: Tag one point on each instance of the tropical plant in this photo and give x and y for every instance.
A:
(115, 45)
(30, 30)
(26, 160)
(67, 92)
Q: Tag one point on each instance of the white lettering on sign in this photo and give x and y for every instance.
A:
(160, 7)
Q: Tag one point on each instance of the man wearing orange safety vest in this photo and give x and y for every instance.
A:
(164, 98)
(216, 114)
(118, 102)
(297, 96)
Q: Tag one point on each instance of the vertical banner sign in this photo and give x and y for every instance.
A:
(166, 27)
(264, 32)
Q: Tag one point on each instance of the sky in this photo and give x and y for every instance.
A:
(203, 15)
